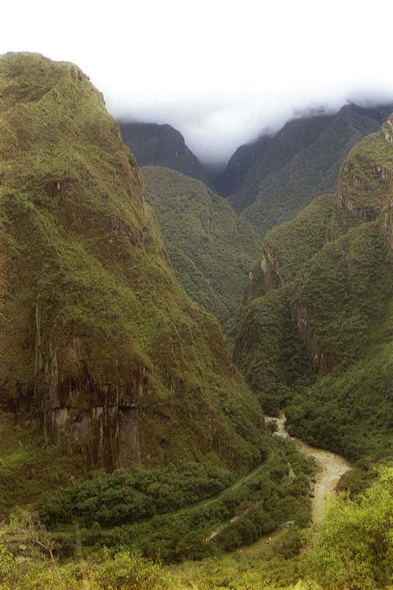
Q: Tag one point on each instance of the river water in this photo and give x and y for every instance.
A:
(332, 467)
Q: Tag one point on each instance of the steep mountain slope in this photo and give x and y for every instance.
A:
(96, 334)
(332, 298)
(212, 250)
(280, 175)
(269, 153)
(311, 172)
(162, 145)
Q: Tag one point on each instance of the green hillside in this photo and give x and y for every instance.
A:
(162, 145)
(211, 249)
(327, 296)
(268, 154)
(286, 171)
(97, 337)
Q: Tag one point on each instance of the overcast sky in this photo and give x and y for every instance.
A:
(219, 71)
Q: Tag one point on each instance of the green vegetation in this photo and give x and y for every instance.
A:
(139, 508)
(95, 330)
(270, 351)
(162, 145)
(269, 199)
(263, 568)
(212, 250)
(131, 495)
(364, 178)
(100, 343)
(123, 571)
(350, 413)
(185, 512)
(28, 467)
(328, 277)
(351, 548)
(268, 154)
(346, 288)
(291, 244)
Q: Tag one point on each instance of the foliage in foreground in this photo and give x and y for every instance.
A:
(352, 549)
(354, 544)
(125, 571)
(255, 505)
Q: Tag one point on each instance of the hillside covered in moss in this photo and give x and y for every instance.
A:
(274, 178)
(97, 338)
(211, 249)
(316, 336)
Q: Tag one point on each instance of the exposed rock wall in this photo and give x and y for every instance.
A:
(322, 361)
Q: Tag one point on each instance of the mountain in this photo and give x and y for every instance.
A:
(316, 335)
(211, 248)
(276, 177)
(162, 145)
(268, 154)
(96, 335)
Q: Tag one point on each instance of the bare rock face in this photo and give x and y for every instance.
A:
(322, 361)
(96, 336)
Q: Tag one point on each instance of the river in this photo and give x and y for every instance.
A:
(332, 467)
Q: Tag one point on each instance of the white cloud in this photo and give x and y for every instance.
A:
(219, 71)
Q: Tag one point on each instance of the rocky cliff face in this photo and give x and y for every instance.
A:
(96, 336)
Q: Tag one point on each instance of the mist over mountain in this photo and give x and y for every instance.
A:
(215, 127)
(271, 180)
(184, 292)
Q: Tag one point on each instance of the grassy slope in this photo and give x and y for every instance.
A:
(310, 172)
(82, 257)
(212, 251)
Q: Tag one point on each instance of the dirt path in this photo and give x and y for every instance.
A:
(332, 468)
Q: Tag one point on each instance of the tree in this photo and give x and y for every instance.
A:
(353, 547)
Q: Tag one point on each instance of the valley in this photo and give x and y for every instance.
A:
(192, 366)
(330, 468)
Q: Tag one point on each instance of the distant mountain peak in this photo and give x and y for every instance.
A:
(154, 144)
